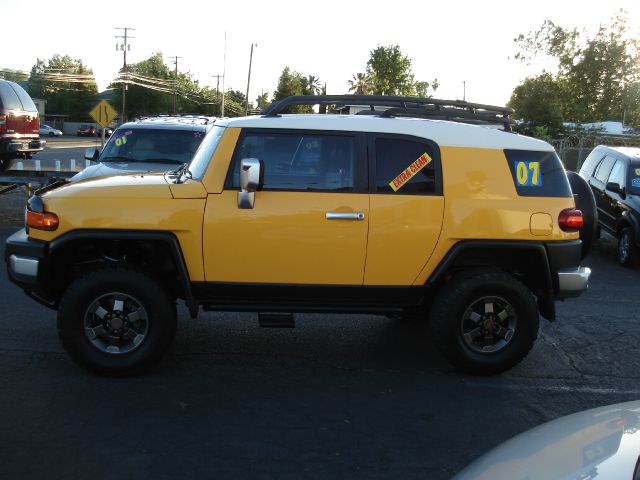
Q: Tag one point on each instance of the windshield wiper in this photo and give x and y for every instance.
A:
(119, 159)
(161, 160)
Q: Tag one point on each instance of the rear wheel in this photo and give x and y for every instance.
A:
(5, 163)
(51, 134)
(628, 254)
(116, 321)
(485, 321)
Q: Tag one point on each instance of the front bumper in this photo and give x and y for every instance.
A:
(26, 265)
(18, 147)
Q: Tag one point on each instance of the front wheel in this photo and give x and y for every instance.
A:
(484, 321)
(116, 321)
(628, 254)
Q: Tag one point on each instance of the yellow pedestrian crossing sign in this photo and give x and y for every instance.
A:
(103, 113)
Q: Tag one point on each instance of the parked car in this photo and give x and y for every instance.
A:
(614, 176)
(49, 131)
(152, 144)
(19, 124)
(86, 130)
(107, 132)
(602, 443)
(472, 229)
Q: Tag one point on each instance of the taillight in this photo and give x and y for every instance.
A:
(42, 221)
(3, 123)
(570, 220)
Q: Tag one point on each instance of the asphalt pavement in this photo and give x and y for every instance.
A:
(339, 396)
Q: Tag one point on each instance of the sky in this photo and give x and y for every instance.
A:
(458, 42)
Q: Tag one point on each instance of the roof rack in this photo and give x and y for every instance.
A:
(397, 106)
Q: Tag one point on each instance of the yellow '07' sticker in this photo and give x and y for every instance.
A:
(408, 173)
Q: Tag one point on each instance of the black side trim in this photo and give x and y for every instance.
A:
(167, 237)
(265, 297)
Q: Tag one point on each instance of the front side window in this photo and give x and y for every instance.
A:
(617, 174)
(405, 166)
(603, 170)
(152, 145)
(299, 161)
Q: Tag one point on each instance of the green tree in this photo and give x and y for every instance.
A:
(14, 75)
(390, 71)
(594, 73)
(293, 83)
(263, 100)
(537, 104)
(360, 84)
(66, 84)
(632, 105)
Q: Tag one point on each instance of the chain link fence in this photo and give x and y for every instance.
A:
(574, 149)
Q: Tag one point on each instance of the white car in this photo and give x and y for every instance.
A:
(50, 131)
(603, 442)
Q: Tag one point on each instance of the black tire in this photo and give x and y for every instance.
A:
(453, 314)
(628, 254)
(586, 202)
(91, 304)
(51, 134)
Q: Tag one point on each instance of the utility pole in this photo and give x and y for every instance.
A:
(175, 87)
(464, 90)
(246, 101)
(124, 46)
(217, 77)
(224, 72)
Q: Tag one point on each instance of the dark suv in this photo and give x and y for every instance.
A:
(614, 176)
(86, 130)
(19, 124)
(152, 144)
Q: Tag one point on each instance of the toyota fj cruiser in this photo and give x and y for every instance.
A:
(410, 210)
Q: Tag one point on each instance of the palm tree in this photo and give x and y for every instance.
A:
(360, 84)
(313, 86)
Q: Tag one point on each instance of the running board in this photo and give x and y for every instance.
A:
(276, 320)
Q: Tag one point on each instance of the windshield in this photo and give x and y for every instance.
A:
(205, 152)
(150, 145)
(635, 178)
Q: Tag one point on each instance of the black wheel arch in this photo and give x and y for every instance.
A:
(528, 261)
(156, 251)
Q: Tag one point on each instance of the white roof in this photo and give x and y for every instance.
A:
(444, 133)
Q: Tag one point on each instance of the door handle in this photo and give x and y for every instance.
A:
(358, 216)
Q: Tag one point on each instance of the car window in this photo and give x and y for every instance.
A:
(25, 99)
(8, 97)
(299, 161)
(404, 167)
(603, 170)
(634, 177)
(590, 163)
(617, 174)
(143, 144)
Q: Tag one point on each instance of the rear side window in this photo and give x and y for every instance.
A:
(604, 169)
(8, 97)
(538, 174)
(27, 103)
(406, 167)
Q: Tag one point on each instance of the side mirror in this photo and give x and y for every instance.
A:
(251, 180)
(614, 187)
(91, 154)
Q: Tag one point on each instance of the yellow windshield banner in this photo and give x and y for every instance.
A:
(422, 161)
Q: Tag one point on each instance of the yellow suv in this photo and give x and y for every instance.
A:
(404, 210)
